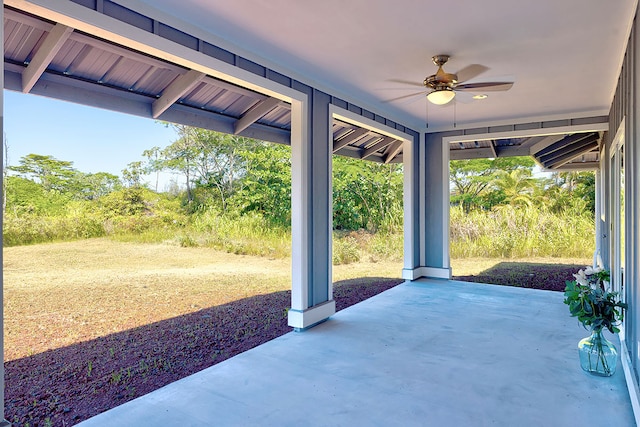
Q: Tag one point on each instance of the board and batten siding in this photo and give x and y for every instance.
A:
(624, 115)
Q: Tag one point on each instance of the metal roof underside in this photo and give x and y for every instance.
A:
(51, 59)
(577, 151)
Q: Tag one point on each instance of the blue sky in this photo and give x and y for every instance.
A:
(94, 140)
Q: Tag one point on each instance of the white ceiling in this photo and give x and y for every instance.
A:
(563, 55)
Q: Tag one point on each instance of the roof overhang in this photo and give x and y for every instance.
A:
(48, 57)
(556, 146)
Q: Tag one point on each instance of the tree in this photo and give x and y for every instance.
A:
(266, 185)
(472, 179)
(95, 185)
(209, 159)
(155, 163)
(25, 196)
(179, 155)
(518, 186)
(51, 173)
(366, 194)
(573, 190)
(132, 174)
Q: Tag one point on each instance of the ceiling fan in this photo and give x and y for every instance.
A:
(443, 86)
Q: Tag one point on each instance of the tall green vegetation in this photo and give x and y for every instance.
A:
(514, 231)
(237, 197)
(511, 213)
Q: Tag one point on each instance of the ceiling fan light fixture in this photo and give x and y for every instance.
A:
(441, 96)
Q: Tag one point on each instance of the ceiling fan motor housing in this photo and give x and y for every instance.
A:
(441, 80)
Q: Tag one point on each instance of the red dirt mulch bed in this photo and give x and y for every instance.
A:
(550, 277)
(64, 386)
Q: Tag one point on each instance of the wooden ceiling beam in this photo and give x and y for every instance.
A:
(255, 113)
(45, 54)
(352, 137)
(544, 143)
(392, 151)
(567, 140)
(493, 149)
(180, 86)
(385, 142)
(570, 148)
(566, 158)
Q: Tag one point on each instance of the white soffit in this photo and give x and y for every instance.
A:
(563, 55)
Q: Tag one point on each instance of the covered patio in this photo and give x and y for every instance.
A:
(337, 78)
(428, 352)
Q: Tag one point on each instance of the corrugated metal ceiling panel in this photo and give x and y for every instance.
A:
(92, 60)
(20, 40)
(279, 116)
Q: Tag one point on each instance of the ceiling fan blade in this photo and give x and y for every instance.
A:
(485, 87)
(407, 82)
(405, 96)
(470, 72)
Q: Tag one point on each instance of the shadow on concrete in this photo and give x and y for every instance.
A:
(551, 277)
(67, 385)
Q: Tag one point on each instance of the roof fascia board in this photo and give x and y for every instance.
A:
(522, 122)
(473, 153)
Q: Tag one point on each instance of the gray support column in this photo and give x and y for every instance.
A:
(430, 196)
(311, 211)
(412, 201)
(607, 206)
(3, 422)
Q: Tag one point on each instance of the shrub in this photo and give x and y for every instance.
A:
(345, 251)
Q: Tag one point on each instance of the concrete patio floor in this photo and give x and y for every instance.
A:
(427, 353)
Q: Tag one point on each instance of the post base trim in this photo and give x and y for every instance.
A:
(304, 319)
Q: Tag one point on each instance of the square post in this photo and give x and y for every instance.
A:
(426, 189)
(311, 211)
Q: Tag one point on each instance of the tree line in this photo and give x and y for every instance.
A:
(231, 176)
(487, 184)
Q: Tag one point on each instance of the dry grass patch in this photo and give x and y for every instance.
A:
(58, 294)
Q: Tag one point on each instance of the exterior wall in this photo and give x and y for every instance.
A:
(625, 112)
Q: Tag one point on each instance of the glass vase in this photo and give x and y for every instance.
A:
(598, 355)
